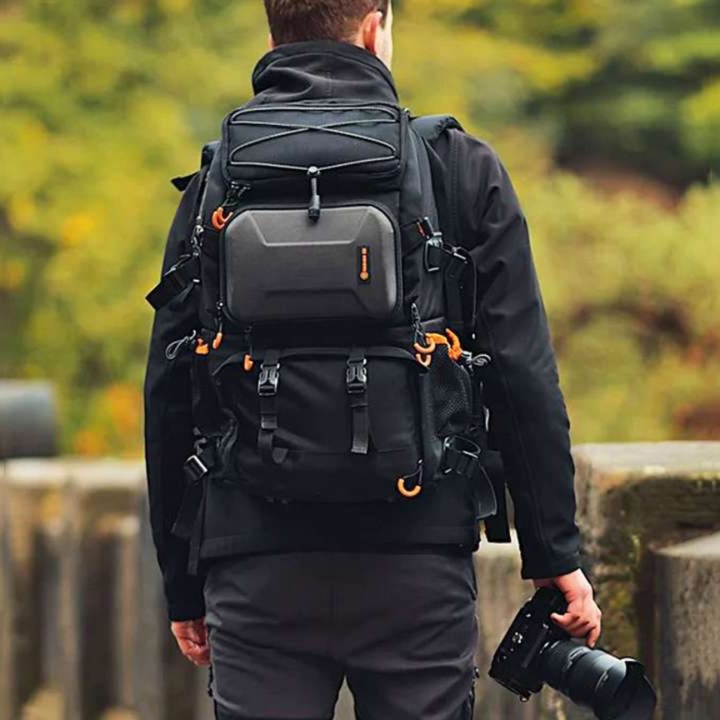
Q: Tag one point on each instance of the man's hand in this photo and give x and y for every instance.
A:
(192, 639)
(582, 618)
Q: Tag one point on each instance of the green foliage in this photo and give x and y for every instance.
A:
(102, 101)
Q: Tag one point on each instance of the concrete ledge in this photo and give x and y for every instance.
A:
(688, 591)
(632, 498)
(75, 550)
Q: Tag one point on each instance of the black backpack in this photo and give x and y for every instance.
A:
(329, 365)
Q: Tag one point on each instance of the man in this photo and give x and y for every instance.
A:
(298, 597)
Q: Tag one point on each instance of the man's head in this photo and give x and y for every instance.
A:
(366, 23)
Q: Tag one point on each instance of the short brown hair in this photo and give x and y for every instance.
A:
(297, 20)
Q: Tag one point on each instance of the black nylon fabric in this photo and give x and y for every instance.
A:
(529, 422)
(316, 424)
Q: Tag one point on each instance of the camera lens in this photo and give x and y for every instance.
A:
(614, 689)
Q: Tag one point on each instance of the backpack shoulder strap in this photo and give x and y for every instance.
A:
(431, 127)
(497, 530)
(184, 273)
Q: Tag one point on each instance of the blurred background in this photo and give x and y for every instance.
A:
(606, 112)
(607, 115)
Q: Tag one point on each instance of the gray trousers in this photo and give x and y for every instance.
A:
(286, 629)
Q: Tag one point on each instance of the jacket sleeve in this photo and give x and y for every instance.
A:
(168, 424)
(528, 418)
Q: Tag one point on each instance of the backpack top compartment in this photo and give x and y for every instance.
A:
(352, 142)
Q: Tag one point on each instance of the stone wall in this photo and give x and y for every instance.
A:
(83, 632)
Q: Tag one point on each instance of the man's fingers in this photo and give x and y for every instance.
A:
(198, 653)
(199, 656)
(565, 619)
(188, 646)
(191, 633)
(195, 630)
(579, 628)
(593, 636)
(573, 623)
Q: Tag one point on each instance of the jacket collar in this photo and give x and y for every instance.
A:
(318, 69)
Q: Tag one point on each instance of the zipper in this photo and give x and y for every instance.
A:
(313, 173)
(219, 324)
(416, 324)
(223, 214)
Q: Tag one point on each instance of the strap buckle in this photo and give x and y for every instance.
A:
(462, 456)
(269, 379)
(434, 247)
(457, 261)
(195, 468)
(356, 377)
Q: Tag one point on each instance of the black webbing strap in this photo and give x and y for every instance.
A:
(196, 536)
(356, 380)
(186, 272)
(497, 527)
(454, 263)
(484, 469)
(195, 469)
(175, 281)
(267, 388)
(190, 519)
(454, 272)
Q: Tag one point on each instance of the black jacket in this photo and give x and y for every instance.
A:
(529, 422)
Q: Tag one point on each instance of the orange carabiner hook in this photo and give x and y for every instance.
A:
(402, 489)
(426, 350)
(423, 354)
(220, 219)
(455, 350)
(248, 363)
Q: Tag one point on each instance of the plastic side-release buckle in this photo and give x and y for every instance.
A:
(356, 376)
(269, 379)
(434, 254)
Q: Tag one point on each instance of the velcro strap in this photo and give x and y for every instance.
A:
(175, 281)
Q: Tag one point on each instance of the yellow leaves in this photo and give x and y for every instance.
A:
(175, 6)
(12, 274)
(77, 229)
(704, 106)
(21, 212)
(114, 423)
(123, 406)
(90, 442)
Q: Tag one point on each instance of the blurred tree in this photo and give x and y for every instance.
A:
(639, 85)
(102, 100)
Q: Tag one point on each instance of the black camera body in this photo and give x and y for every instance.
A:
(513, 665)
(536, 651)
